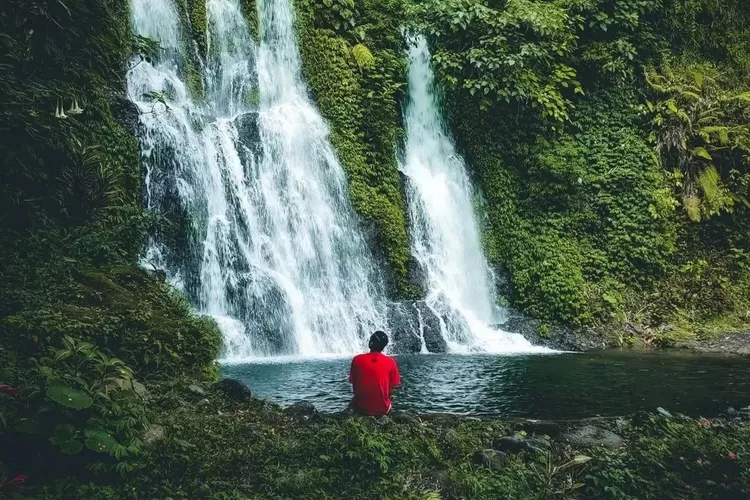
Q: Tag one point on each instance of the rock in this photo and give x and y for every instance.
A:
(492, 459)
(408, 322)
(590, 435)
(254, 429)
(664, 413)
(404, 417)
(203, 403)
(196, 389)
(140, 389)
(538, 443)
(234, 390)
(552, 336)
(446, 419)
(511, 444)
(733, 343)
(247, 128)
(384, 420)
(404, 328)
(302, 412)
(154, 434)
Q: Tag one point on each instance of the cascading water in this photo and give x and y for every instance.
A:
(445, 238)
(269, 245)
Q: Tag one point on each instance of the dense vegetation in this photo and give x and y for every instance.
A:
(610, 143)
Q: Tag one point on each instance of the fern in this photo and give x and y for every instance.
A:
(692, 206)
(708, 180)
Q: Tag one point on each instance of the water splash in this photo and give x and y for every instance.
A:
(445, 238)
(269, 245)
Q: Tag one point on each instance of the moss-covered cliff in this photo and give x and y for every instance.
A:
(353, 60)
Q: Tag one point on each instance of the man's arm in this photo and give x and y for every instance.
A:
(352, 368)
(394, 378)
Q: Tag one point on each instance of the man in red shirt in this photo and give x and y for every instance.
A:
(373, 377)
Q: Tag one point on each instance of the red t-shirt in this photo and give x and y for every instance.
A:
(373, 375)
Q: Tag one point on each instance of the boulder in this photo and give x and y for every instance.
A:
(384, 420)
(538, 443)
(489, 458)
(247, 128)
(234, 390)
(408, 321)
(511, 444)
(552, 336)
(404, 417)
(590, 435)
(154, 434)
(302, 412)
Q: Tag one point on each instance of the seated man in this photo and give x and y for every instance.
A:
(373, 377)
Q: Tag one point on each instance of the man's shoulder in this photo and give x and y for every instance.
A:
(358, 358)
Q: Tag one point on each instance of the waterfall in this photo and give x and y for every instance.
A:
(445, 239)
(268, 244)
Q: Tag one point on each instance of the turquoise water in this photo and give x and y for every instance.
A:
(605, 383)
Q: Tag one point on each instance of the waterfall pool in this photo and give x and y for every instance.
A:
(559, 386)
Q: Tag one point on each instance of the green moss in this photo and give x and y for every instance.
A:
(361, 107)
(250, 11)
(198, 19)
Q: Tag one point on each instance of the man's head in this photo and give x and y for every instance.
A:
(378, 341)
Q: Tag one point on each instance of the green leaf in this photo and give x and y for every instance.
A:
(69, 397)
(580, 459)
(701, 152)
(99, 440)
(71, 447)
(64, 432)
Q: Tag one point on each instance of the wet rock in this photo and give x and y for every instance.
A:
(302, 412)
(553, 336)
(492, 459)
(408, 321)
(404, 417)
(511, 444)
(154, 434)
(404, 328)
(196, 389)
(730, 343)
(247, 128)
(589, 435)
(234, 390)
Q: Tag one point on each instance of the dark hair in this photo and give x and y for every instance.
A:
(378, 341)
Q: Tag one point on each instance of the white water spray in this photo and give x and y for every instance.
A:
(272, 249)
(445, 238)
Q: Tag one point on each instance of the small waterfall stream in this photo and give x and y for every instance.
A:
(445, 238)
(271, 249)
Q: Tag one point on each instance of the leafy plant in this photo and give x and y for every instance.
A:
(84, 398)
(701, 132)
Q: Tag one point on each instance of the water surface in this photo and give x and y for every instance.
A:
(606, 383)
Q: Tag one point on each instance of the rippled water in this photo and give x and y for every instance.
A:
(555, 386)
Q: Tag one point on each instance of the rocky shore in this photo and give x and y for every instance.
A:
(216, 441)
